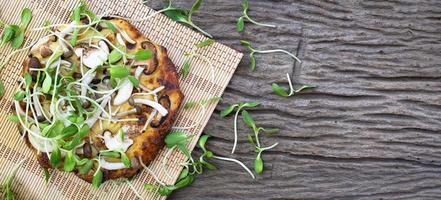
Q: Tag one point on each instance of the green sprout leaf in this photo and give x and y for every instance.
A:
(186, 67)
(73, 143)
(86, 167)
(55, 157)
(47, 83)
(250, 104)
(228, 110)
(19, 95)
(110, 154)
(175, 138)
(279, 90)
(8, 34)
(133, 80)
(258, 164)
(97, 179)
(248, 119)
(13, 118)
(26, 17)
(202, 140)
(143, 54)
(252, 62)
(125, 160)
(84, 131)
(304, 87)
(115, 55)
(69, 162)
(47, 175)
(18, 39)
(119, 72)
(205, 43)
(28, 79)
(245, 43)
(240, 24)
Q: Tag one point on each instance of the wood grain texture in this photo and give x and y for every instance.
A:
(371, 130)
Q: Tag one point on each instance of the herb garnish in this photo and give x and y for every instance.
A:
(282, 92)
(238, 107)
(253, 51)
(15, 33)
(189, 56)
(258, 162)
(241, 20)
(184, 16)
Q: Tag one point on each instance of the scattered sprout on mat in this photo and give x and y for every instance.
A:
(15, 33)
(238, 107)
(204, 102)
(191, 167)
(47, 175)
(189, 56)
(184, 16)
(282, 92)
(8, 194)
(253, 51)
(241, 20)
(258, 162)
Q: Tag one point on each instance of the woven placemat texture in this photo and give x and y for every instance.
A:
(29, 182)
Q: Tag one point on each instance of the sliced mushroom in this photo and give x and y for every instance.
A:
(96, 57)
(159, 118)
(114, 142)
(45, 51)
(163, 111)
(124, 93)
(120, 40)
(89, 151)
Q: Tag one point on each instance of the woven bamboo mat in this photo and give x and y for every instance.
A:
(29, 182)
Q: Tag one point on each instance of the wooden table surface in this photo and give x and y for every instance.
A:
(372, 128)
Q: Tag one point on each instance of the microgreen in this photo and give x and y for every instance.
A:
(116, 55)
(125, 160)
(69, 162)
(241, 20)
(282, 92)
(86, 167)
(6, 186)
(143, 54)
(13, 118)
(189, 56)
(238, 108)
(133, 80)
(203, 102)
(254, 51)
(19, 95)
(55, 157)
(258, 162)
(185, 16)
(15, 33)
(47, 175)
(119, 72)
(97, 178)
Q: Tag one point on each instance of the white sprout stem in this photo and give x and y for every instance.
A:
(164, 162)
(236, 161)
(119, 120)
(279, 51)
(258, 23)
(291, 88)
(17, 51)
(270, 147)
(134, 190)
(256, 134)
(150, 172)
(235, 129)
(110, 43)
(55, 84)
(199, 29)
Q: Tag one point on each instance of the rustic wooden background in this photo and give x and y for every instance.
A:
(371, 130)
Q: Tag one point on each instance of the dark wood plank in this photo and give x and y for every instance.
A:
(370, 130)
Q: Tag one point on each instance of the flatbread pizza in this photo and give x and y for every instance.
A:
(98, 98)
